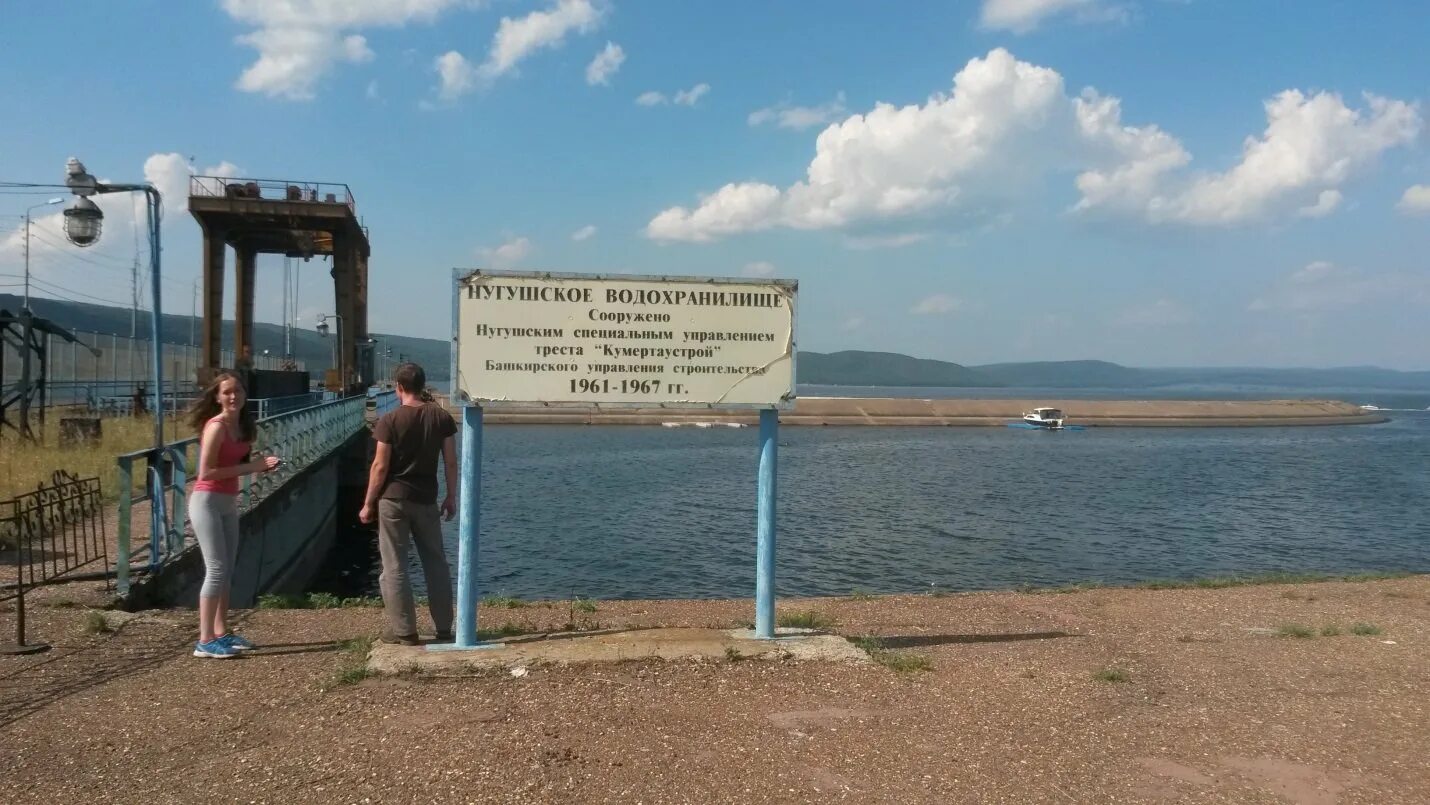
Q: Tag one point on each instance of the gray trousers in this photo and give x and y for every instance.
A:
(215, 519)
(400, 523)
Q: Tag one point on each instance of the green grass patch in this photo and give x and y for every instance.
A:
(900, 661)
(1277, 577)
(1295, 630)
(355, 645)
(316, 601)
(733, 654)
(812, 619)
(96, 623)
(324, 601)
(364, 602)
(1365, 629)
(505, 630)
(352, 668)
(1330, 630)
(282, 601)
(1116, 675)
(585, 605)
(502, 602)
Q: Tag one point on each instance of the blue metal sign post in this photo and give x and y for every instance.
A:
(765, 525)
(469, 513)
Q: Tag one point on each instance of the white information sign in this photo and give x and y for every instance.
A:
(624, 340)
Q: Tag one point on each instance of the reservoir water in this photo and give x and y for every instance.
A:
(645, 512)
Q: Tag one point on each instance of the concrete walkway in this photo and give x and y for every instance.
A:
(614, 645)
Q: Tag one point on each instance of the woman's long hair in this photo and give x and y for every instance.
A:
(207, 407)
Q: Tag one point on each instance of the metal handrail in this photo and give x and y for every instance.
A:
(286, 190)
(273, 406)
(301, 438)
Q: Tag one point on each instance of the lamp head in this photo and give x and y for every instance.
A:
(83, 222)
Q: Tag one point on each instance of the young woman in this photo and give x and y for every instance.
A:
(226, 432)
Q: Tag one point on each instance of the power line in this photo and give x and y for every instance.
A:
(56, 289)
(96, 256)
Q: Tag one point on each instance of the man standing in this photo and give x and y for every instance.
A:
(402, 498)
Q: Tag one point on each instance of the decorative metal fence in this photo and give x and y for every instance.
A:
(52, 533)
(301, 438)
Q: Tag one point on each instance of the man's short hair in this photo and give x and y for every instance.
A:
(410, 378)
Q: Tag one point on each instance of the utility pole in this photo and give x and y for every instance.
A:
(134, 299)
(287, 307)
(193, 313)
(27, 260)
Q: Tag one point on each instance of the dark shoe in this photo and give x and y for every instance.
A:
(403, 640)
(444, 637)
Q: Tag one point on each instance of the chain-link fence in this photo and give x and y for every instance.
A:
(108, 376)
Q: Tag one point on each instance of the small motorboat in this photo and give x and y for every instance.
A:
(1048, 418)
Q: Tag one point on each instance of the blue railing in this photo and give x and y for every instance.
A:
(273, 406)
(301, 438)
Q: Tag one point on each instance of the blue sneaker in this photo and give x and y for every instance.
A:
(216, 649)
(236, 643)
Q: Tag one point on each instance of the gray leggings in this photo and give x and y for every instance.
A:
(215, 519)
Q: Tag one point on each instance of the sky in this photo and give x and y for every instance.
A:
(1150, 182)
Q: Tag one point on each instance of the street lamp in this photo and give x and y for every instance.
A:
(337, 345)
(56, 200)
(378, 357)
(83, 224)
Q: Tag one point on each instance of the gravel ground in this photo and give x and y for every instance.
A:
(1213, 705)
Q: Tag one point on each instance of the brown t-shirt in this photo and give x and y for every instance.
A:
(416, 433)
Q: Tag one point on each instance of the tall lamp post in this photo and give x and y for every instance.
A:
(337, 346)
(83, 223)
(27, 243)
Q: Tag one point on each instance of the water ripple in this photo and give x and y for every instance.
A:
(667, 512)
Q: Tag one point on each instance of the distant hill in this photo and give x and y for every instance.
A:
(313, 349)
(855, 368)
(849, 368)
(1063, 374)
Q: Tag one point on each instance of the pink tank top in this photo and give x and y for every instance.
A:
(230, 453)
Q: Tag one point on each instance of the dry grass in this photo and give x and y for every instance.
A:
(24, 465)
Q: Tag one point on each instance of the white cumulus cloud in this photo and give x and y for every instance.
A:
(170, 173)
(1415, 200)
(1326, 203)
(692, 96)
(1022, 16)
(583, 233)
(1008, 125)
(759, 268)
(605, 65)
(458, 76)
(651, 98)
(301, 41)
(1312, 144)
(508, 254)
(935, 305)
(799, 118)
(517, 38)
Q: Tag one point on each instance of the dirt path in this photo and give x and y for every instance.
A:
(1216, 706)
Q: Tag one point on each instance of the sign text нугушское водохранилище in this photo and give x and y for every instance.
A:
(653, 341)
